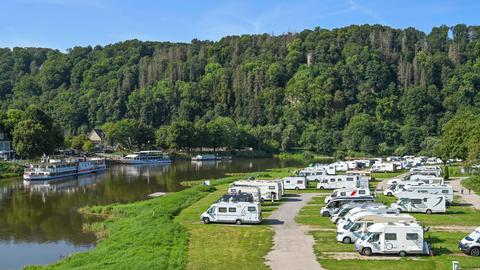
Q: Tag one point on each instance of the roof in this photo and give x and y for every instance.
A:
(99, 132)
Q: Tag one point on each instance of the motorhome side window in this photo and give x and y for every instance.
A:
(233, 190)
(416, 201)
(361, 192)
(251, 209)
(445, 191)
(412, 236)
(422, 191)
(343, 194)
(232, 209)
(271, 187)
(391, 236)
(299, 182)
(349, 178)
(288, 181)
(222, 209)
(332, 180)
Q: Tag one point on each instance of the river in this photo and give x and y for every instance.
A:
(39, 223)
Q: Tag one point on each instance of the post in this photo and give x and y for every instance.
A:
(454, 265)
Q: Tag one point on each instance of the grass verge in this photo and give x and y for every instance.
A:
(8, 169)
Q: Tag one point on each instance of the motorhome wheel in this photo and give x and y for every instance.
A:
(367, 251)
(475, 251)
(238, 222)
(429, 211)
(389, 194)
(347, 240)
(206, 220)
(402, 253)
(321, 187)
(326, 214)
(296, 188)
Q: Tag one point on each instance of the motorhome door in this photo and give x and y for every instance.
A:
(391, 243)
(375, 241)
(212, 212)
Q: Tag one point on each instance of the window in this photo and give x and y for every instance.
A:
(222, 209)
(412, 236)
(361, 192)
(233, 190)
(211, 210)
(374, 238)
(299, 182)
(422, 191)
(445, 191)
(369, 224)
(343, 194)
(271, 187)
(332, 180)
(232, 209)
(349, 178)
(288, 181)
(252, 209)
(416, 201)
(391, 236)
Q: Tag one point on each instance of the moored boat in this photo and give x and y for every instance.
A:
(205, 157)
(49, 169)
(146, 157)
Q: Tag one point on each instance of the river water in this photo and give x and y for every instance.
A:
(39, 223)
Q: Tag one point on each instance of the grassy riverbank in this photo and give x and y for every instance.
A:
(166, 233)
(472, 183)
(8, 169)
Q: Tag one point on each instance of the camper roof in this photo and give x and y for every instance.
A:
(367, 215)
(380, 227)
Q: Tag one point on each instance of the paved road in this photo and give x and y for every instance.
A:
(473, 199)
(292, 246)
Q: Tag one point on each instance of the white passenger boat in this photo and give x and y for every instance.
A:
(146, 157)
(49, 169)
(205, 157)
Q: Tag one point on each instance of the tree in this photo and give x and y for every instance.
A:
(180, 134)
(88, 146)
(446, 173)
(30, 139)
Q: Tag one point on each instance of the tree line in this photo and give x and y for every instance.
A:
(371, 89)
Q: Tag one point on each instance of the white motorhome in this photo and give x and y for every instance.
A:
(471, 243)
(377, 208)
(427, 179)
(340, 166)
(347, 192)
(421, 203)
(294, 182)
(343, 181)
(383, 167)
(233, 212)
(444, 190)
(395, 188)
(351, 164)
(255, 191)
(435, 170)
(363, 163)
(334, 204)
(312, 175)
(360, 222)
(393, 238)
(270, 189)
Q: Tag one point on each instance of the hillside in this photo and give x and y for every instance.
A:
(368, 89)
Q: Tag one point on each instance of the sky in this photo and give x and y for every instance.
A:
(63, 24)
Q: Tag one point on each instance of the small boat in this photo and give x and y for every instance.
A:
(146, 157)
(205, 157)
(49, 169)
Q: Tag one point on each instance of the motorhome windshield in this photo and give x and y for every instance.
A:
(348, 225)
(355, 227)
(473, 236)
(334, 194)
(403, 201)
(211, 210)
(344, 212)
(366, 236)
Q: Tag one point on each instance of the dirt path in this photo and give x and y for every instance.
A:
(383, 184)
(292, 246)
(473, 199)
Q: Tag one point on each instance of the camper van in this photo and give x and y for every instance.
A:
(343, 181)
(332, 205)
(233, 212)
(471, 244)
(340, 166)
(395, 188)
(444, 190)
(434, 170)
(421, 203)
(383, 167)
(360, 222)
(255, 191)
(236, 197)
(347, 192)
(393, 238)
(427, 179)
(348, 208)
(294, 182)
(269, 189)
(375, 208)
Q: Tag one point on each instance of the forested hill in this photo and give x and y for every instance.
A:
(370, 89)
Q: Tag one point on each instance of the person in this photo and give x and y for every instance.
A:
(469, 191)
(461, 191)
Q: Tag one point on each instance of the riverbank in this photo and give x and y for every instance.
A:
(166, 233)
(8, 170)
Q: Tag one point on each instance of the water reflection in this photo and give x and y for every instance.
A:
(41, 219)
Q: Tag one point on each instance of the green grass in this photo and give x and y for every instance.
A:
(140, 235)
(216, 246)
(8, 169)
(472, 183)
(387, 175)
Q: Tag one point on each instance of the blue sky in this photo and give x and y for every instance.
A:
(63, 24)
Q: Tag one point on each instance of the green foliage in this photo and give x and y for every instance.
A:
(446, 173)
(129, 133)
(88, 147)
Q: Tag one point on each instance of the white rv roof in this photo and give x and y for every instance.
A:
(368, 216)
(380, 227)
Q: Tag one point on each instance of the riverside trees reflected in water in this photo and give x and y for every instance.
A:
(39, 223)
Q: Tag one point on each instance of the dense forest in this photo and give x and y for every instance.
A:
(365, 89)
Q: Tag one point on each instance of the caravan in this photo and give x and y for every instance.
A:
(375, 208)
(294, 182)
(255, 191)
(427, 179)
(334, 204)
(343, 181)
(383, 167)
(444, 190)
(233, 212)
(399, 186)
(340, 166)
(471, 244)
(393, 238)
(360, 222)
(269, 189)
(421, 203)
(347, 192)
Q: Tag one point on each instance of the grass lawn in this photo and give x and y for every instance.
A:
(387, 175)
(444, 243)
(473, 183)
